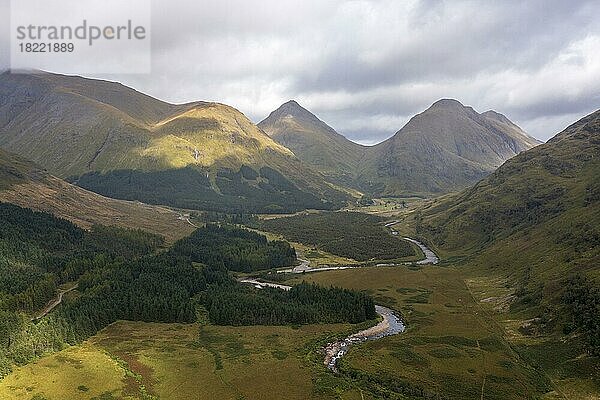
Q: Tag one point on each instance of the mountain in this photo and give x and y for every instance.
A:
(27, 185)
(446, 147)
(535, 221)
(114, 140)
(556, 181)
(314, 142)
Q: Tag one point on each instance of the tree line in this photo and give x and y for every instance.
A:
(39, 252)
(302, 304)
(355, 235)
(237, 249)
(122, 275)
(242, 191)
(583, 301)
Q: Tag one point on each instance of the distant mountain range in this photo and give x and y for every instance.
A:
(115, 141)
(447, 147)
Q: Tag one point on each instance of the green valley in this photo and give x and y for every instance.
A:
(165, 235)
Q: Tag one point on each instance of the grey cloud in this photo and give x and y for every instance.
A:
(366, 66)
(558, 107)
(483, 37)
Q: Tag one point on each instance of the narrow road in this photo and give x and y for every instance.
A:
(304, 265)
(54, 302)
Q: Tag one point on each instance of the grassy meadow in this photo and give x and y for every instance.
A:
(456, 346)
(135, 360)
(458, 343)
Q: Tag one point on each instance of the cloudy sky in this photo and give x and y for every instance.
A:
(365, 67)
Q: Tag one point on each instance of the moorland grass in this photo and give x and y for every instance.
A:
(136, 360)
(450, 346)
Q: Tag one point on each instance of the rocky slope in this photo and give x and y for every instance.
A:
(446, 147)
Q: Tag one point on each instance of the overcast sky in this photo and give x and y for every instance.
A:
(365, 67)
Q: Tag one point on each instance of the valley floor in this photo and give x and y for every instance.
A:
(135, 360)
(459, 344)
(456, 346)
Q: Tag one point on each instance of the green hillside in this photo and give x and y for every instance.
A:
(552, 190)
(85, 130)
(535, 225)
(26, 184)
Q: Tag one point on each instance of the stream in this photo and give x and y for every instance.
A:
(391, 324)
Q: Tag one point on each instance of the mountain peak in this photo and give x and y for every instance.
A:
(293, 108)
(447, 103)
(313, 141)
(291, 103)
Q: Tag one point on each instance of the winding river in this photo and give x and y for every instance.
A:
(430, 256)
(304, 267)
(390, 324)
